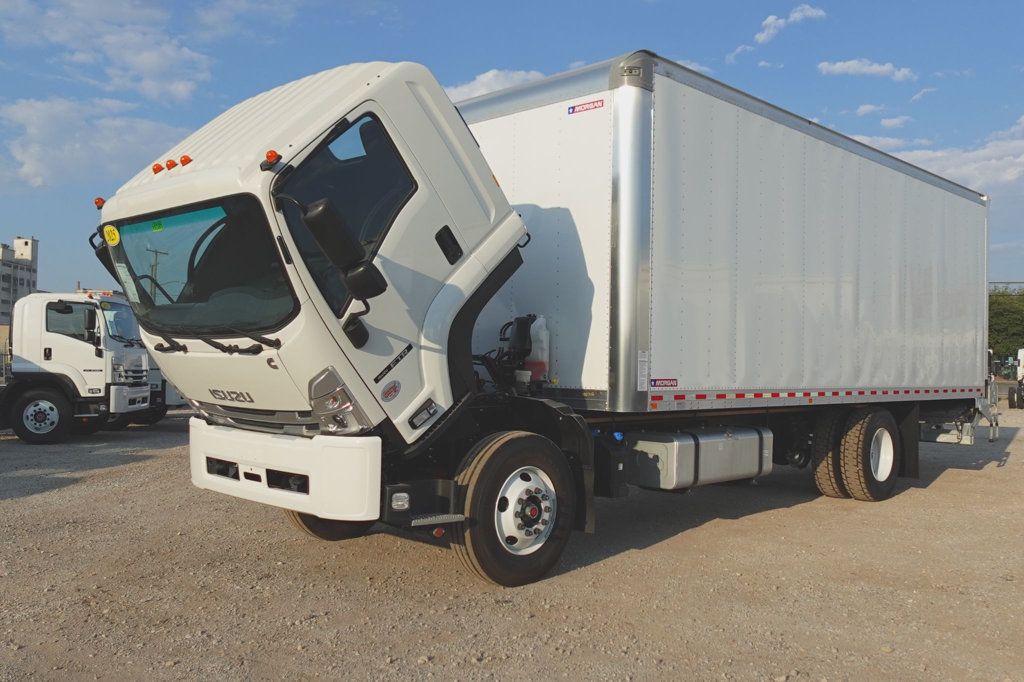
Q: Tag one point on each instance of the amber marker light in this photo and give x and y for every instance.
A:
(185, 160)
(99, 201)
(272, 158)
(170, 163)
(157, 168)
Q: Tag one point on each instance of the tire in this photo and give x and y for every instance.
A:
(41, 415)
(150, 416)
(500, 475)
(828, 432)
(1011, 398)
(87, 426)
(869, 455)
(118, 422)
(328, 529)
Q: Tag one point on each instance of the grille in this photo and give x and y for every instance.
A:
(293, 423)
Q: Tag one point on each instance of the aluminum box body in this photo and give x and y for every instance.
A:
(694, 247)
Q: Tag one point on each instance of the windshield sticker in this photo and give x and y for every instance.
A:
(391, 391)
(158, 226)
(127, 282)
(104, 305)
(111, 236)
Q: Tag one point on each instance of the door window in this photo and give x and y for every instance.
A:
(362, 174)
(68, 319)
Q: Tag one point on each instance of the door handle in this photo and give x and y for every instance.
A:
(449, 245)
(47, 354)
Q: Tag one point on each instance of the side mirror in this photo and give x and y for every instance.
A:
(90, 327)
(365, 281)
(333, 236)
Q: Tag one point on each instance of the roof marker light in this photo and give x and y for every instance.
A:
(170, 163)
(185, 159)
(99, 201)
(272, 158)
(157, 168)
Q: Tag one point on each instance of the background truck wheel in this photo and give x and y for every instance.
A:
(41, 415)
(118, 422)
(1012, 397)
(150, 416)
(828, 431)
(88, 425)
(869, 455)
(328, 529)
(519, 502)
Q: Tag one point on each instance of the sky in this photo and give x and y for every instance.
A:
(94, 90)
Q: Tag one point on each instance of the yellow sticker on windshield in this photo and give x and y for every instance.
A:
(111, 235)
(158, 226)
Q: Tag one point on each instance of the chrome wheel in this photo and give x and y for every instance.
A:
(524, 512)
(882, 454)
(40, 416)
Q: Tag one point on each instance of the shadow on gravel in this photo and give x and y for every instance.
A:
(937, 458)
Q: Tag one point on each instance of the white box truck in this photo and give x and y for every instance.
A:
(353, 303)
(69, 367)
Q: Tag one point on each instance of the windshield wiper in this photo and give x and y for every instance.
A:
(123, 339)
(171, 345)
(271, 343)
(254, 349)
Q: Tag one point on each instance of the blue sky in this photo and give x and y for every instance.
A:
(93, 90)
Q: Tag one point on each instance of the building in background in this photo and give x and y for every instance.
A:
(18, 273)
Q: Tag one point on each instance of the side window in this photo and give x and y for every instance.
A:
(362, 174)
(68, 319)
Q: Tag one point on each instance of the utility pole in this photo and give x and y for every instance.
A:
(153, 268)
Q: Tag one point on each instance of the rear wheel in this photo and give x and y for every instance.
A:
(870, 455)
(328, 529)
(519, 500)
(1013, 397)
(41, 415)
(825, 454)
(150, 416)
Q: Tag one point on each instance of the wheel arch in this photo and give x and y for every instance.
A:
(33, 380)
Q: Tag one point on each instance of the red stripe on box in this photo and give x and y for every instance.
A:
(679, 396)
(700, 396)
(720, 396)
(741, 395)
(657, 397)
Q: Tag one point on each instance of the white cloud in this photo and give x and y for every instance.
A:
(955, 73)
(117, 45)
(772, 24)
(221, 18)
(865, 109)
(895, 121)
(696, 66)
(865, 67)
(489, 81)
(921, 93)
(59, 140)
(731, 57)
(769, 65)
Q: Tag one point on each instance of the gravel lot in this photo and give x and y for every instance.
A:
(113, 566)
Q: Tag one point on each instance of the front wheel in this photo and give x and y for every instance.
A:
(150, 416)
(328, 529)
(1011, 397)
(118, 422)
(41, 415)
(519, 502)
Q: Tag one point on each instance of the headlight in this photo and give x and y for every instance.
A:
(337, 413)
(119, 375)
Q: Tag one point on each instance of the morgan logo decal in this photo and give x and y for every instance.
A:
(231, 396)
(391, 391)
(586, 106)
(664, 383)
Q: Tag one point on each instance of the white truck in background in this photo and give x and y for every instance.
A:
(350, 301)
(68, 368)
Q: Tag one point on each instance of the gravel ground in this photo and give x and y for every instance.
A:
(113, 566)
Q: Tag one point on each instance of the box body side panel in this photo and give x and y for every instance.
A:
(782, 261)
(554, 163)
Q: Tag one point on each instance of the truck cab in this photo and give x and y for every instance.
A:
(73, 364)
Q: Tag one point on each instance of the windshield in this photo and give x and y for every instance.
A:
(120, 320)
(206, 269)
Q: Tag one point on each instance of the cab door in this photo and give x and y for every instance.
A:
(67, 345)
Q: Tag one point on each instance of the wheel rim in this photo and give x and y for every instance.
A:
(40, 416)
(524, 512)
(881, 455)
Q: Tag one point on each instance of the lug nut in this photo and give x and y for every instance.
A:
(547, 510)
(543, 498)
(529, 533)
(520, 526)
(536, 491)
(543, 522)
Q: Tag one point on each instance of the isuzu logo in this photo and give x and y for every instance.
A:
(231, 396)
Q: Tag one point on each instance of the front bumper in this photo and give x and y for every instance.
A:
(128, 398)
(341, 474)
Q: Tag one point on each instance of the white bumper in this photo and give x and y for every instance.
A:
(128, 398)
(344, 472)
